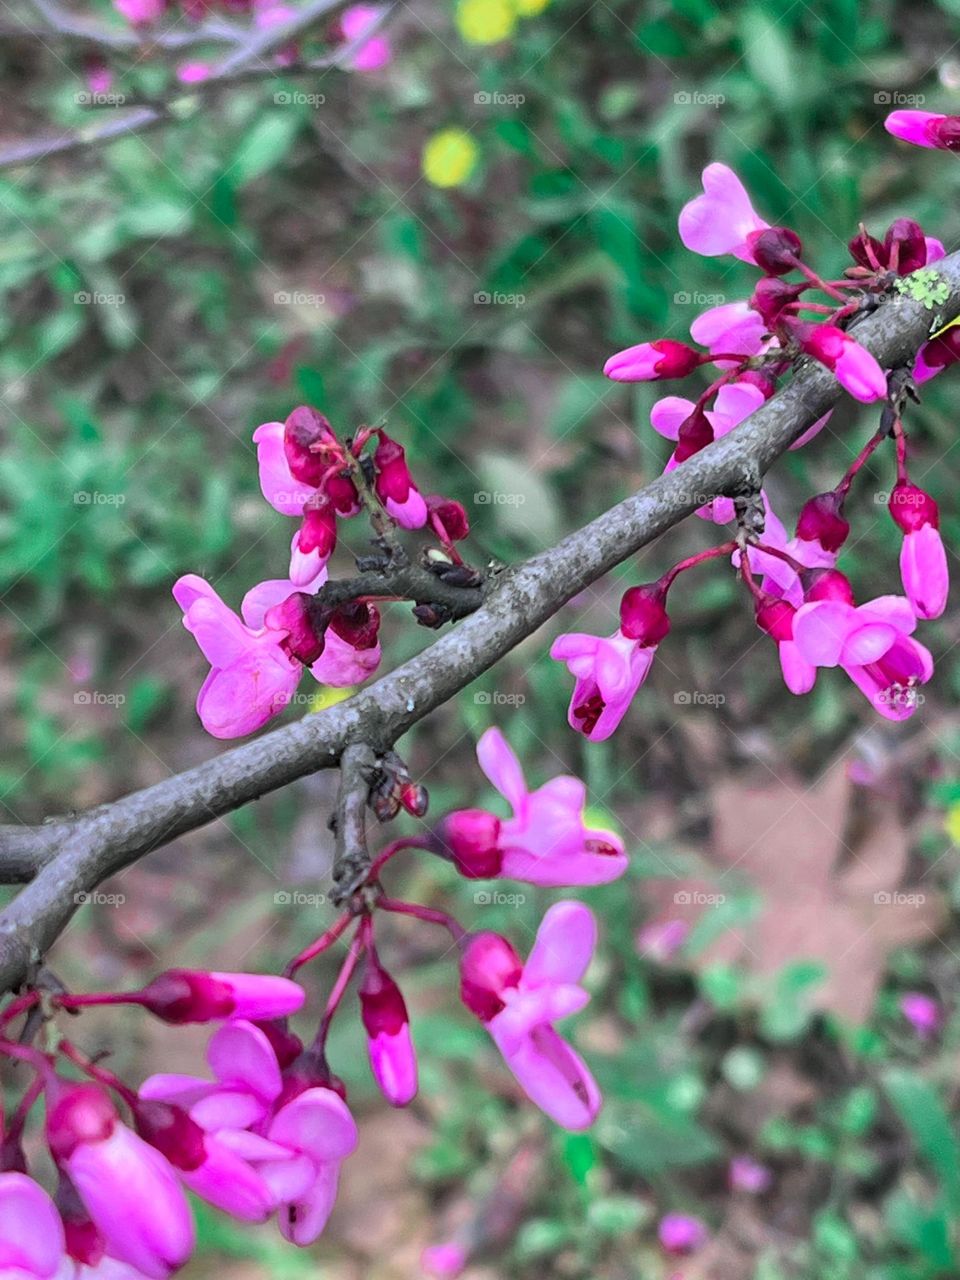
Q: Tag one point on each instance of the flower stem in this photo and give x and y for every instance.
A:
(430, 914)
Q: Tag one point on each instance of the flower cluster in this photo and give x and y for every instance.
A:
(800, 599)
(257, 659)
(264, 1135)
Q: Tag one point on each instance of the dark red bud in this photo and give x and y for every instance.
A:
(912, 245)
(318, 532)
(179, 996)
(489, 966)
(643, 615)
(677, 360)
(286, 1046)
(946, 132)
(295, 615)
(382, 1006)
(308, 1071)
(912, 508)
(775, 250)
(415, 798)
(84, 1242)
(944, 349)
(859, 251)
(775, 617)
(451, 515)
(171, 1130)
(358, 623)
(820, 521)
(695, 434)
(472, 836)
(771, 296)
(309, 445)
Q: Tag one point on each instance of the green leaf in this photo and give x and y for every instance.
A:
(918, 1106)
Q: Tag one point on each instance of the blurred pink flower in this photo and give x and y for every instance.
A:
(680, 1234)
(922, 1012)
(355, 22)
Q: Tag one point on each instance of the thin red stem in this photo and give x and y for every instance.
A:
(430, 914)
(98, 1073)
(339, 987)
(724, 549)
(843, 488)
(816, 280)
(92, 998)
(384, 856)
(319, 945)
(20, 1005)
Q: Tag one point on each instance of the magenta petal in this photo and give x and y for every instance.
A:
(556, 1079)
(720, 220)
(500, 764)
(241, 1057)
(393, 1061)
(668, 415)
(31, 1232)
(341, 665)
(867, 643)
(289, 1178)
(924, 571)
(261, 996)
(265, 595)
(820, 630)
(798, 675)
(858, 372)
(564, 945)
(317, 1123)
(281, 490)
(912, 126)
(228, 1182)
(302, 1222)
(633, 364)
(241, 698)
(812, 431)
(409, 514)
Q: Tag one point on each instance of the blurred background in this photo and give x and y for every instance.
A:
(454, 243)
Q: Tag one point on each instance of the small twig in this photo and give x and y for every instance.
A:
(351, 866)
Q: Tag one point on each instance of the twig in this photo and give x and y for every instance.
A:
(351, 865)
(75, 855)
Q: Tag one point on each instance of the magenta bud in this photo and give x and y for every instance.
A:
(943, 349)
(775, 250)
(922, 1012)
(415, 798)
(820, 521)
(908, 236)
(643, 614)
(171, 1130)
(677, 360)
(695, 434)
(771, 296)
(759, 380)
(681, 1234)
(77, 1114)
(775, 618)
(827, 584)
(358, 623)
(392, 1057)
(489, 966)
(318, 530)
(187, 995)
(309, 445)
(451, 515)
(393, 475)
(861, 247)
(912, 508)
(946, 132)
(295, 616)
(472, 836)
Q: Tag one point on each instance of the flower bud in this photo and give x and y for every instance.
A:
(451, 514)
(295, 615)
(681, 1234)
(643, 615)
(649, 361)
(775, 250)
(318, 531)
(827, 584)
(309, 445)
(187, 995)
(171, 1130)
(83, 1239)
(489, 966)
(286, 1046)
(771, 296)
(912, 508)
(775, 617)
(394, 485)
(820, 521)
(695, 433)
(415, 798)
(907, 236)
(472, 836)
(78, 1114)
(384, 1013)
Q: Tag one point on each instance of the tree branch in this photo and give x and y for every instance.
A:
(240, 64)
(85, 850)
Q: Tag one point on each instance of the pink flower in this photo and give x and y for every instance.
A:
(938, 354)
(261, 1157)
(31, 1232)
(355, 22)
(733, 326)
(444, 1261)
(777, 619)
(393, 1059)
(185, 995)
(128, 1188)
(544, 842)
(749, 1176)
(608, 671)
(681, 1234)
(855, 368)
(194, 72)
(650, 361)
(395, 488)
(905, 248)
(140, 12)
(872, 643)
(925, 129)
(923, 560)
(520, 1003)
(722, 219)
(922, 1012)
(254, 670)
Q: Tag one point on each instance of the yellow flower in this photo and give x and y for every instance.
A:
(530, 8)
(449, 158)
(486, 21)
(951, 822)
(327, 696)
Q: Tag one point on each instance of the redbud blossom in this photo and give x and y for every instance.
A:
(722, 219)
(395, 489)
(393, 1060)
(938, 354)
(923, 559)
(186, 995)
(649, 361)
(771, 296)
(744, 1174)
(451, 515)
(821, 521)
(31, 1232)
(855, 368)
(775, 617)
(680, 1234)
(775, 250)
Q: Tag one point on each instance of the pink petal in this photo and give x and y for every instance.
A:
(340, 665)
(241, 1057)
(31, 1232)
(274, 591)
(798, 675)
(858, 372)
(281, 490)
(502, 767)
(720, 220)
(564, 945)
(317, 1123)
(556, 1079)
(394, 1065)
(302, 1222)
(820, 630)
(867, 643)
(923, 569)
(669, 414)
(241, 698)
(911, 126)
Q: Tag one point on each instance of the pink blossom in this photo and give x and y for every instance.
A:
(394, 486)
(128, 1188)
(855, 368)
(608, 671)
(777, 618)
(662, 939)
(520, 1003)
(444, 1261)
(733, 326)
(185, 995)
(938, 354)
(31, 1232)
(355, 22)
(925, 129)
(745, 1174)
(254, 671)
(140, 12)
(923, 559)
(680, 1234)
(318, 1132)
(194, 72)
(544, 841)
(393, 1059)
(650, 361)
(722, 219)
(872, 643)
(922, 1012)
